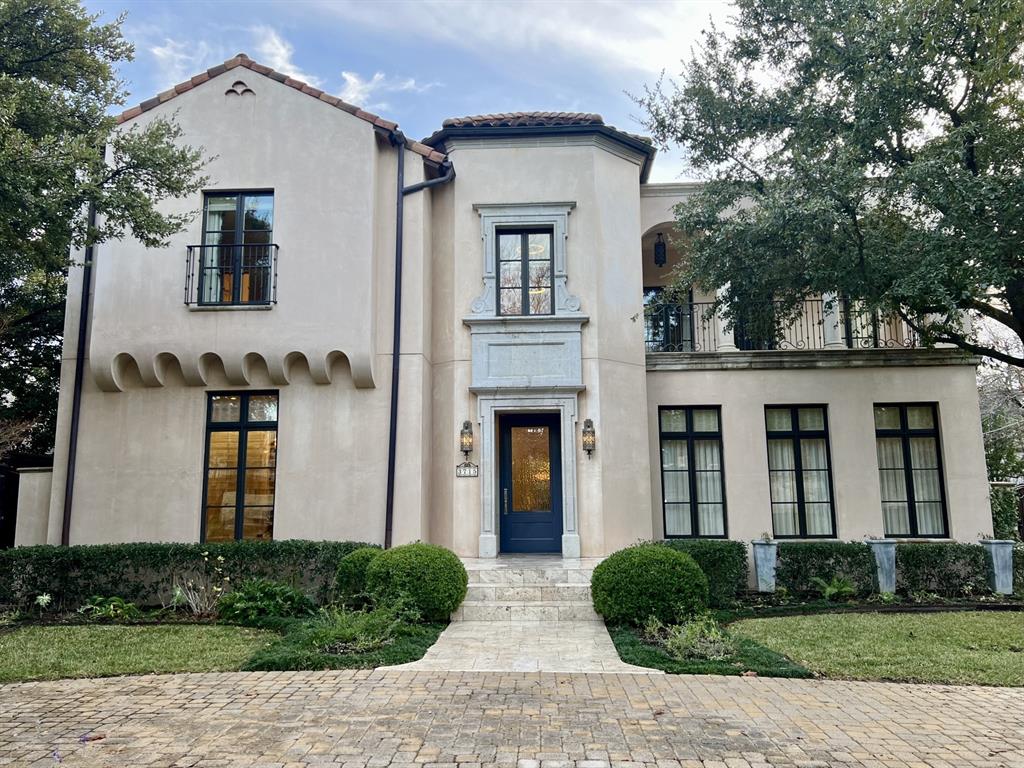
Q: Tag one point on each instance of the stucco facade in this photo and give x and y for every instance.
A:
(320, 340)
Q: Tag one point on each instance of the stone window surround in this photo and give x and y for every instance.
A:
(522, 215)
(492, 405)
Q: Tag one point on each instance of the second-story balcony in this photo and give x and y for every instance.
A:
(697, 327)
(235, 275)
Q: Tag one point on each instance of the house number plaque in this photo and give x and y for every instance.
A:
(467, 469)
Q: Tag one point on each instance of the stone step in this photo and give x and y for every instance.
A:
(544, 610)
(524, 593)
(531, 575)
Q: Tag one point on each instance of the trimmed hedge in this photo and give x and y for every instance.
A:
(802, 561)
(1018, 568)
(350, 578)
(947, 569)
(646, 580)
(723, 562)
(427, 577)
(145, 573)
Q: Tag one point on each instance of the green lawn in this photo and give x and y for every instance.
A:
(53, 652)
(984, 648)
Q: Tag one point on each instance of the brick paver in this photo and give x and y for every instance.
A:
(373, 719)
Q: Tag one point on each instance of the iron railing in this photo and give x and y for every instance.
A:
(692, 327)
(219, 275)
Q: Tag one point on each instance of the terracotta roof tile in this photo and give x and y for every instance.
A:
(241, 60)
(521, 119)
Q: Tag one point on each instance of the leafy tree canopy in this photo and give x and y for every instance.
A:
(871, 148)
(60, 152)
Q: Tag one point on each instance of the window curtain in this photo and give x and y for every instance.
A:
(817, 500)
(924, 460)
(710, 507)
(895, 511)
(782, 474)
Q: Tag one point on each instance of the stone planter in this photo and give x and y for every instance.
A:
(766, 558)
(1000, 556)
(885, 563)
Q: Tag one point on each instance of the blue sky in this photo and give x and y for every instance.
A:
(420, 62)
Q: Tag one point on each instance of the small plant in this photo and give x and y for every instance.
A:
(339, 631)
(840, 589)
(110, 609)
(256, 599)
(699, 638)
(885, 598)
(43, 602)
(200, 594)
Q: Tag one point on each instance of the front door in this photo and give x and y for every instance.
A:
(530, 483)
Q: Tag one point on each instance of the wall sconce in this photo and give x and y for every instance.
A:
(466, 439)
(660, 256)
(589, 437)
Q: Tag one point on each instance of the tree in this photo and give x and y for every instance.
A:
(868, 148)
(60, 153)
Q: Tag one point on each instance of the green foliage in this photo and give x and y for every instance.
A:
(837, 590)
(118, 609)
(947, 569)
(636, 583)
(724, 562)
(350, 579)
(59, 90)
(801, 563)
(339, 631)
(1018, 568)
(700, 637)
(253, 600)
(1005, 513)
(868, 148)
(146, 573)
(427, 578)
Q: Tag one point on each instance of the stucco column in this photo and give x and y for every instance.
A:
(833, 333)
(726, 337)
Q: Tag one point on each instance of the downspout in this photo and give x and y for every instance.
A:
(76, 398)
(397, 139)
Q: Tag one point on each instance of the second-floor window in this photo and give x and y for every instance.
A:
(236, 259)
(525, 270)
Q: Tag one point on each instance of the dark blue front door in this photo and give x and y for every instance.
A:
(530, 492)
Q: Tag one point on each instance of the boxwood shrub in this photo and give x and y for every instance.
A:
(145, 573)
(802, 561)
(948, 569)
(350, 579)
(634, 584)
(426, 577)
(723, 562)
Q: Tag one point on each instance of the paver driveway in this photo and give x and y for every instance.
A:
(378, 718)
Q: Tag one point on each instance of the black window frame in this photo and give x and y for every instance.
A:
(243, 426)
(905, 433)
(690, 437)
(238, 250)
(524, 266)
(795, 434)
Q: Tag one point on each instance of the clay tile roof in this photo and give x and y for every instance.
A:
(524, 119)
(241, 60)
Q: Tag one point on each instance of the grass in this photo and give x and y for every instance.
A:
(980, 648)
(296, 650)
(54, 652)
(750, 656)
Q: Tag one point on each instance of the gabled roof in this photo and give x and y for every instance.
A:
(241, 60)
(522, 124)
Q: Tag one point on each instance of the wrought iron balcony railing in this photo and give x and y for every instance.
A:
(231, 275)
(695, 327)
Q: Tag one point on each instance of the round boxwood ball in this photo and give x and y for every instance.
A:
(350, 578)
(647, 580)
(427, 577)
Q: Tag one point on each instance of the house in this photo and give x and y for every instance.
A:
(241, 382)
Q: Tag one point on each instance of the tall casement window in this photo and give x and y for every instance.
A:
(910, 470)
(525, 270)
(799, 470)
(692, 483)
(236, 263)
(241, 459)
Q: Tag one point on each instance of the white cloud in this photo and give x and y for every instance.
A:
(363, 93)
(179, 60)
(276, 52)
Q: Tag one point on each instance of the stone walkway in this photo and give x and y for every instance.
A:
(524, 646)
(373, 719)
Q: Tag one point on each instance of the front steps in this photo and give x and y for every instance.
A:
(528, 588)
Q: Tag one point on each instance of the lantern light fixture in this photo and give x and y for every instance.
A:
(589, 437)
(466, 439)
(660, 255)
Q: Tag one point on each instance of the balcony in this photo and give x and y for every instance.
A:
(694, 327)
(242, 275)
